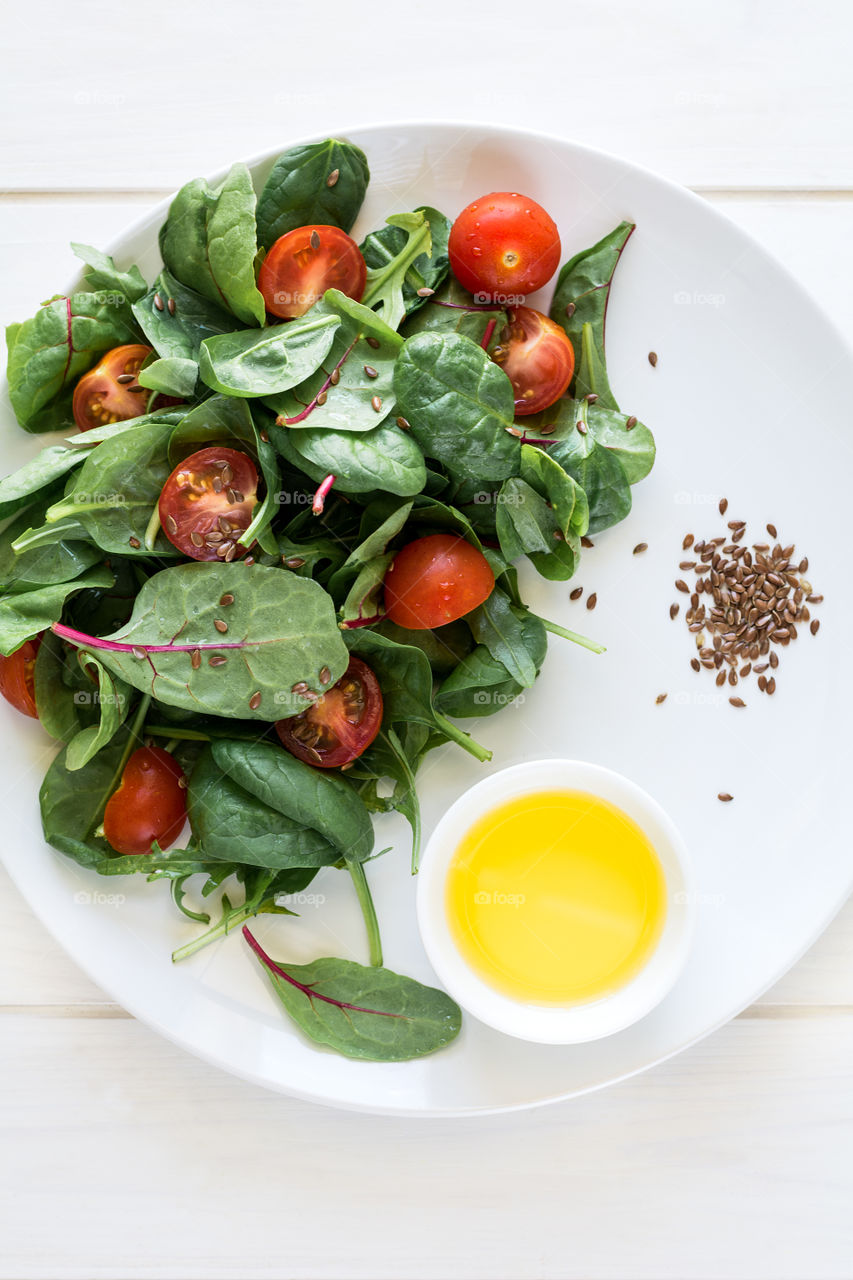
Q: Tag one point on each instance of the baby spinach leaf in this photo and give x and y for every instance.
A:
(444, 647)
(429, 271)
(298, 193)
(21, 487)
(385, 458)
(371, 546)
(261, 362)
(112, 701)
(72, 804)
(102, 273)
(363, 600)
(173, 376)
(282, 632)
(48, 353)
(597, 469)
(362, 1011)
(542, 513)
(45, 563)
(481, 685)
(453, 310)
(23, 614)
(459, 405)
(633, 445)
(497, 626)
(319, 799)
(209, 243)
(362, 342)
(178, 333)
(583, 287)
(56, 703)
(230, 824)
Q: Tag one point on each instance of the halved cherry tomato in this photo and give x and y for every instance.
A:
(110, 392)
(435, 580)
(208, 501)
(341, 724)
(150, 803)
(304, 263)
(538, 359)
(16, 677)
(504, 245)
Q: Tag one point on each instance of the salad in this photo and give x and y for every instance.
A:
(271, 564)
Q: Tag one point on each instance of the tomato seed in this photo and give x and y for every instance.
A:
(335, 377)
(196, 539)
(138, 653)
(570, 310)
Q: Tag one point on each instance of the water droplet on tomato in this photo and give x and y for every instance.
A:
(476, 251)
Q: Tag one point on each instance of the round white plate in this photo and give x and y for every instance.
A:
(750, 398)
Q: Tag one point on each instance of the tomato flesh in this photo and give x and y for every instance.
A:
(304, 263)
(149, 804)
(341, 724)
(435, 580)
(17, 682)
(503, 246)
(99, 397)
(208, 501)
(537, 357)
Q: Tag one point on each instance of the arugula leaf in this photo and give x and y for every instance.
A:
(583, 286)
(209, 243)
(102, 273)
(262, 890)
(362, 1011)
(385, 458)
(298, 193)
(282, 632)
(429, 271)
(254, 362)
(459, 404)
(385, 286)
(23, 614)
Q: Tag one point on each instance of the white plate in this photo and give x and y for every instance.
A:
(750, 398)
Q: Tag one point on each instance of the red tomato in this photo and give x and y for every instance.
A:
(304, 263)
(110, 392)
(208, 501)
(436, 580)
(341, 724)
(150, 803)
(538, 359)
(504, 246)
(16, 677)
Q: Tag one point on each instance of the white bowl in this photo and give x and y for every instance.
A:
(550, 1024)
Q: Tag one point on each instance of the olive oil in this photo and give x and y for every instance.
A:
(556, 897)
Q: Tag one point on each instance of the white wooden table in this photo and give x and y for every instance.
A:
(120, 1156)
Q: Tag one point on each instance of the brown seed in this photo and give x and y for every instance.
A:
(138, 653)
(694, 662)
(226, 599)
(673, 610)
(171, 306)
(322, 398)
(570, 310)
(134, 542)
(737, 702)
(660, 698)
(771, 685)
(403, 424)
(687, 564)
(325, 675)
(265, 435)
(255, 700)
(771, 529)
(195, 659)
(225, 526)
(293, 562)
(249, 560)
(653, 358)
(724, 796)
(587, 542)
(812, 599)
(425, 292)
(774, 660)
(124, 378)
(732, 676)
(220, 625)
(370, 371)
(814, 626)
(158, 302)
(376, 402)
(762, 683)
(592, 601)
(372, 342)
(196, 539)
(581, 426)
(640, 548)
(631, 423)
(723, 505)
(217, 660)
(231, 495)
(681, 585)
(333, 177)
(314, 240)
(576, 593)
(688, 542)
(721, 678)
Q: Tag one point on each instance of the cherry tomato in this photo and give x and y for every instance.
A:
(100, 398)
(304, 263)
(435, 580)
(538, 359)
(341, 724)
(208, 501)
(16, 677)
(150, 803)
(504, 245)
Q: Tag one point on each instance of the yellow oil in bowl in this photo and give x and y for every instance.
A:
(556, 897)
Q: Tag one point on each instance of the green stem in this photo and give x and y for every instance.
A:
(368, 910)
(132, 743)
(229, 920)
(574, 636)
(461, 738)
(152, 529)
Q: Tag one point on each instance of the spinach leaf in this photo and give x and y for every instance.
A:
(72, 804)
(362, 1011)
(261, 362)
(209, 243)
(319, 182)
(56, 700)
(46, 563)
(102, 273)
(173, 376)
(453, 310)
(231, 824)
(281, 633)
(633, 445)
(178, 333)
(581, 297)
(23, 614)
(112, 700)
(361, 343)
(444, 647)
(597, 469)
(429, 271)
(21, 487)
(319, 799)
(459, 405)
(48, 353)
(371, 546)
(481, 685)
(385, 458)
(542, 513)
(497, 626)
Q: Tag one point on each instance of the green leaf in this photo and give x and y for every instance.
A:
(112, 700)
(542, 513)
(320, 799)
(173, 376)
(44, 564)
(21, 487)
(254, 362)
(633, 445)
(25, 613)
(459, 405)
(361, 342)
(209, 243)
(281, 632)
(597, 469)
(497, 626)
(102, 273)
(453, 310)
(297, 191)
(583, 286)
(385, 458)
(429, 271)
(384, 291)
(72, 804)
(363, 1011)
(178, 334)
(481, 685)
(56, 703)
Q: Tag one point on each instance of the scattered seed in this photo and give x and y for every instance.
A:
(325, 675)
(587, 542)
(688, 542)
(581, 426)
(631, 423)
(673, 610)
(137, 390)
(687, 564)
(771, 529)
(231, 552)
(255, 700)
(226, 474)
(134, 542)
(771, 685)
(681, 585)
(249, 560)
(217, 485)
(195, 659)
(196, 539)
(814, 626)
(322, 397)
(220, 625)
(376, 402)
(403, 424)
(724, 796)
(372, 342)
(570, 310)
(138, 653)
(226, 599)
(737, 702)
(576, 593)
(217, 660)
(293, 562)
(171, 306)
(265, 435)
(640, 548)
(425, 292)
(721, 678)
(592, 600)
(158, 302)
(660, 698)
(723, 505)
(653, 358)
(333, 177)
(370, 371)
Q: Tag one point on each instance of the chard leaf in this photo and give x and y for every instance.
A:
(281, 632)
(362, 1011)
(262, 362)
(297, 192)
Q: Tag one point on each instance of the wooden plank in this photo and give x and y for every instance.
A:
(744, 97)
